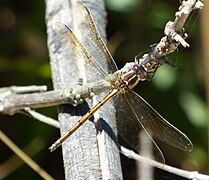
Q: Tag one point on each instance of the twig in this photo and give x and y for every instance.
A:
(41, 117)
(24, 157)
(14, 162)
(183, 173)
(174, 31)
(22, 89)
(13, 101)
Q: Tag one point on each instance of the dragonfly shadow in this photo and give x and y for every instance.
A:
(78, 110)
(104, 126)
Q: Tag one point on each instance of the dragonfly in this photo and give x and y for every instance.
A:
(134, 113)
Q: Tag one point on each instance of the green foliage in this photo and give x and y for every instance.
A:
(165, 78)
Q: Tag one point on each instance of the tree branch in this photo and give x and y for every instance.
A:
(16, 98)
(90, 153)
(183, 173)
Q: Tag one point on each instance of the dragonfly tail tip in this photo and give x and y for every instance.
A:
(52, 147)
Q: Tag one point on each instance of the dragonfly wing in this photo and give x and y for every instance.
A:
(129, 128)
(84, 64)
(89, 35)
(155, 124)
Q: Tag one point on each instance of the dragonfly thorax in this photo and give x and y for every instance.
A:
(130, 75)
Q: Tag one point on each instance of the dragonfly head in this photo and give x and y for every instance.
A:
(159, 59)
(150, 62)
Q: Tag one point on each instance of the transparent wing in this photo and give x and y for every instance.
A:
(150, 120)
(129, 128)
(91, 39)
(85, 65)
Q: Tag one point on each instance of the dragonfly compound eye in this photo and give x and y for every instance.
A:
(141, 71)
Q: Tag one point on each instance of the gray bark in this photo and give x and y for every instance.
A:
(91, 152)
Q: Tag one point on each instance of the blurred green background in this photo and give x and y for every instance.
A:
(133, 25)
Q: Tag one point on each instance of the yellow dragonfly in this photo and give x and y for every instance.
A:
(134, 113)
